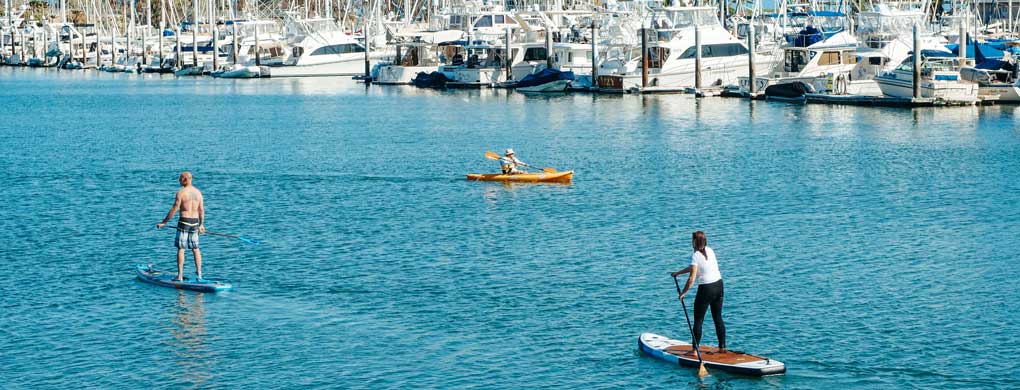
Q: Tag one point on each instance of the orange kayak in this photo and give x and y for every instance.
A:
(538, 177)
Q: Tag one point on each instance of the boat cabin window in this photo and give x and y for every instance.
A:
(484, 21)
(795, 60)
(907, 64)
(298, 51)
(875, 61)
(657, 56)
(499, 19)
(338, 49)
(829, 58)
(716, 50)
(535, 54)
(849, 58)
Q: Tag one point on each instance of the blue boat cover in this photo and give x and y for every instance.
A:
(546, 76)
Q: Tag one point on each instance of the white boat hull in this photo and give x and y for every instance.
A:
(347, 65)
(400, 75)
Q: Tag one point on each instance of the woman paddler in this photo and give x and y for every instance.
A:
(710, 288)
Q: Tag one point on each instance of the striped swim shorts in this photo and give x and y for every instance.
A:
(187, 233)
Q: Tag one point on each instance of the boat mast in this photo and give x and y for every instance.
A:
(215, 41)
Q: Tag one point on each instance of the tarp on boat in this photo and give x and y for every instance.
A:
(546, 76)
(430, 80)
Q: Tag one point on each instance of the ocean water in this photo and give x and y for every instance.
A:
(865, 248)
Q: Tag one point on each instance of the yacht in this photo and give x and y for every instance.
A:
(421, 52)
(940, 79)
(321, 48)
(671, 53)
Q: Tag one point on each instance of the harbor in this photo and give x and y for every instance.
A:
(820, 52)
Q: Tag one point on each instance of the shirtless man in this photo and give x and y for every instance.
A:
(190, 224)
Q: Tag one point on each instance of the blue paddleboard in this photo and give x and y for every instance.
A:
(160, 278)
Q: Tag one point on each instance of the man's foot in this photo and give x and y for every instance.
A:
(200, 280)
(177, 279)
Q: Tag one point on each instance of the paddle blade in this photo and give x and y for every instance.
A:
(702, 371)
(492, 156)
(249, 240)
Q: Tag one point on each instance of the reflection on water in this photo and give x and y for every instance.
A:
(190, 344)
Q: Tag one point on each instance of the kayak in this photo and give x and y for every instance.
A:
(160, 278)
(558, 177)
(678, 352)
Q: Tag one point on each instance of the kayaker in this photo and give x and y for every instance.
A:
(710, 288)
(509, 164)
(190, 224)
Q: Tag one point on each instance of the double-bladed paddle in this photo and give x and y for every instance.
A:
(494, 156)
(701, 369)
(237, 236)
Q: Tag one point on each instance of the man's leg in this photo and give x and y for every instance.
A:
(198, 261)
(180, 264)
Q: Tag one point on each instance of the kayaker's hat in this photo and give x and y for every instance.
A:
(508, 151)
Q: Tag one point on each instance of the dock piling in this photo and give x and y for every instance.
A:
(753, 85)
(644, 58)
(916, 83)
(507, 61)
(548, 48)
(697, 58)
(594, 54)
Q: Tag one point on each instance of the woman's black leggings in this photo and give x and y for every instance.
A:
(710, 294)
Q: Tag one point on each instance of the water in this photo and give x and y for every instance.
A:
(866, 248)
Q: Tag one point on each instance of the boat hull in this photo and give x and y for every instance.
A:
(558, 177)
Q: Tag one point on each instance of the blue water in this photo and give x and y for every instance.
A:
(866, 248)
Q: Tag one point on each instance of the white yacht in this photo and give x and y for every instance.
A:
(940, 79)
(321, 48)
(671, 53)
(994, 85)
(423, 52)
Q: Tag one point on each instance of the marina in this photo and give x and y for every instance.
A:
(837, 52)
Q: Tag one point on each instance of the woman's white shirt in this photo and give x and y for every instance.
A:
(708, 268)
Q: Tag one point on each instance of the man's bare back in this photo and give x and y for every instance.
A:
(190, 200)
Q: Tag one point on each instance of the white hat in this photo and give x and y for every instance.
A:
(508, 151)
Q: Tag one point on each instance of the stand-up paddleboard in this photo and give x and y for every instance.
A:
(150, 275)
(680, 352)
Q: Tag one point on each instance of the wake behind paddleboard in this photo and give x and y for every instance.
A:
(680, 352)
(149, 275)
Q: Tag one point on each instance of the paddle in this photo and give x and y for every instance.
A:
(701, 369)
(494, 156)
(239, 237)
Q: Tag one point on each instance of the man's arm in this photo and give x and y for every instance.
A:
(173, 210)
(201, 213)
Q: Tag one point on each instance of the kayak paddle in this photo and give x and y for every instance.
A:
(494, 156)
(239, 237)
(701, 369)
